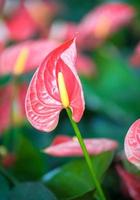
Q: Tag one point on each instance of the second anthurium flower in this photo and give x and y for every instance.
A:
(54, 86)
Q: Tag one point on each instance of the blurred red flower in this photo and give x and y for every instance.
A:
(54, 86)
(5, 108)
(9, 160)
(20, 24)
(104, 20)
(131, 183)
(37, 50)
(64, 146)
(135, 58)
(12, 109)
(85, 65)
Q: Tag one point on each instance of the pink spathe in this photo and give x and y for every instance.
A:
(37, 51)
(43, 102)
(64, 146)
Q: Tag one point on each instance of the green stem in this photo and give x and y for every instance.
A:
(86, 155)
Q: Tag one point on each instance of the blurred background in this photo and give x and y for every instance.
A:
(108, 36)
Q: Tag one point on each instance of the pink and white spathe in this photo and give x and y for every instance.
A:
(132, 143)
(64, 146)
(54, 81)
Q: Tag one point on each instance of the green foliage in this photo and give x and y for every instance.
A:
(115, 88)
(29, 163)
(73, 179)
(31, 191)
(5, 80)
(4, 188)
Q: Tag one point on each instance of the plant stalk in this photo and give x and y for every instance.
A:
(86, 155)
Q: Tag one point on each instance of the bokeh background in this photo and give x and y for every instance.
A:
(108, 65)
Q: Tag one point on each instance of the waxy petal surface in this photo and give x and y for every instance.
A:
(37, 52)
(43, 103)
(132, 143)
(67, 147)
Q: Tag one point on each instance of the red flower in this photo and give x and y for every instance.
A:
(54, 86)
(64, 146)
(9, 160)
(131, 182)
(5, 108)
(132, 143)
(37, 50)
(21, 25)
(104, 20)
(17, 113)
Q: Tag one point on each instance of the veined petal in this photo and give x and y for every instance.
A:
(67, 147)
(42, 110)
(75, 91)
(43, 102)
(132, 143)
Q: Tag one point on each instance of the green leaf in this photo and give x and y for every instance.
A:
(130, 167)
(5, 79)
(73, 179)
(29, 162)
(31, 191)
(115, 89)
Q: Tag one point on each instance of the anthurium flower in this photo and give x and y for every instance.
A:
(132, 143)
(54, 86)
(33, 53)
(103, 20)
(64, 146)
(135, 58)
(131, 182)
(20, 24)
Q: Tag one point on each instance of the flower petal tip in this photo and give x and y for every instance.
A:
(132, 144)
